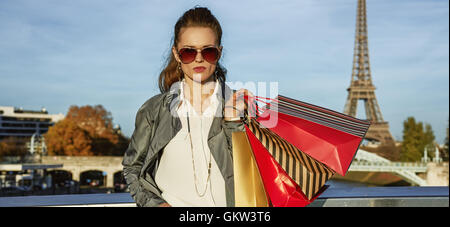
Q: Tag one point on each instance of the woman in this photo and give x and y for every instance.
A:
(180, 152)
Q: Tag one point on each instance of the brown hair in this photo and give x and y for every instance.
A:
(195, 17)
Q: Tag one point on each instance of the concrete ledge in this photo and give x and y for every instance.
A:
(113, 199)
(332, 197)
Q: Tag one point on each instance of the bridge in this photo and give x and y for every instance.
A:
(370, 162)
(110, 167)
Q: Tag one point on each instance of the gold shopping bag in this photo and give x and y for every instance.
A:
(248, 185)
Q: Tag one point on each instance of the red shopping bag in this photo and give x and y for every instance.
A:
(329, 137)
(281, 189)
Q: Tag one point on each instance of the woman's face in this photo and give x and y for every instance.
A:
(198, 38)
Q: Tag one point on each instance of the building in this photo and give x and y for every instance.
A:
(17, 122)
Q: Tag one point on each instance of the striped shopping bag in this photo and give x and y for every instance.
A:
(308, 173)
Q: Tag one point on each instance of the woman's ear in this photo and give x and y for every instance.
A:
(175, 54)
(220, 53)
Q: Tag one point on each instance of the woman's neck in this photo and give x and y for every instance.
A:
(198, 92)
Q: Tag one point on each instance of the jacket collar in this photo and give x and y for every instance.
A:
(173, 97)
(215, 96)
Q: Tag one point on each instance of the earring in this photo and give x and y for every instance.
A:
(180, 77)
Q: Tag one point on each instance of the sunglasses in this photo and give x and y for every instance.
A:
(187, 55)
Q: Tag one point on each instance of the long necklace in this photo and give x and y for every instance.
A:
(193, 163)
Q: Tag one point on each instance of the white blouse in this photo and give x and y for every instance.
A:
(175, 174)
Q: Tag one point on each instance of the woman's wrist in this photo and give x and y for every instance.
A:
(231, 113)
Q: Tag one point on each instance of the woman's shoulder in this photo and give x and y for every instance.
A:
(152, 104)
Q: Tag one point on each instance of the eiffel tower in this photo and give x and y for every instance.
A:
(361, 86)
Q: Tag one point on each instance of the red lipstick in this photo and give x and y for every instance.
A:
(199, 69)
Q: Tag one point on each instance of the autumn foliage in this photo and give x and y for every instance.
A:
(12, 146)
(86, 131)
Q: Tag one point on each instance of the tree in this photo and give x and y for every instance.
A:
(445, 153)
(94, 119)
(12, 146)
(89, 132)
(411, 146)
(416, 138)
(66, 138)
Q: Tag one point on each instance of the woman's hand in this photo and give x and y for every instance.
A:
(164, 205)
(236, 104)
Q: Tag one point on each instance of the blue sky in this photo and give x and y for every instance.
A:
(57, 53)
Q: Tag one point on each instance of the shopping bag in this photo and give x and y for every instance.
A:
(308, 174)
(281, 189)
(248, 186)
(329, 137)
